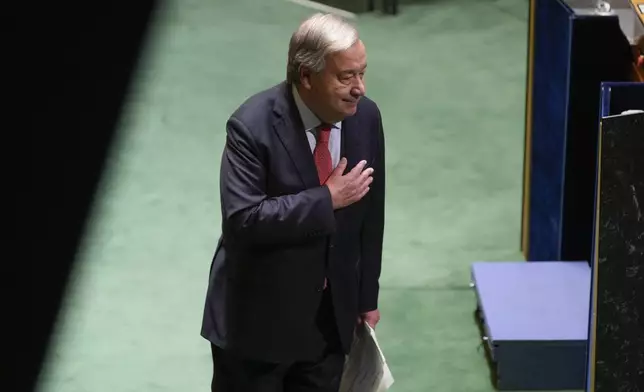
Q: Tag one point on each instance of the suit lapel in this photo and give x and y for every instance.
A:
(290, 130)
(353, 148)
(353, 142)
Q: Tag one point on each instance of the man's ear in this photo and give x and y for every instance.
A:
(305, 78)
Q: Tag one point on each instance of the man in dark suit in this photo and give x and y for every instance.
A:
(302, 197)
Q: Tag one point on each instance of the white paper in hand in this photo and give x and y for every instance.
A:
(366, 369)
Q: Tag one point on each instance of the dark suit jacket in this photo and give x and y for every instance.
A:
(281, 236)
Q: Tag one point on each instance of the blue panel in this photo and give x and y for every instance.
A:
(550, 100)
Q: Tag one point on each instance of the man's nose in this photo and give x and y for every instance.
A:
(359, 89)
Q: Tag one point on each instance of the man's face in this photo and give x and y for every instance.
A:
(336, 90)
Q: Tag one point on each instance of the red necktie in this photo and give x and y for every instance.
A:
(322, 157)
(321, 153)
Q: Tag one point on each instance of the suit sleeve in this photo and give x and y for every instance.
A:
(249, 215)
(373, 230)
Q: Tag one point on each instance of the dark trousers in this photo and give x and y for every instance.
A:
(235, 374)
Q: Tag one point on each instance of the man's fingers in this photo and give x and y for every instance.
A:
(366, 172)
(362, 194)
(362, 189)
(358, 168)
(341, 166)
(363, 183)
(365, 177)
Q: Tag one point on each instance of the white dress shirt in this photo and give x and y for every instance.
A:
(311, 123)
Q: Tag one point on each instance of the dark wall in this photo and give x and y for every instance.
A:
(601, 54)
(70, 67)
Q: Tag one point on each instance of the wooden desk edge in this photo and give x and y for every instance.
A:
(636, 4)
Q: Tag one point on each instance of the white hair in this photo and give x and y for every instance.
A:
(317, 37)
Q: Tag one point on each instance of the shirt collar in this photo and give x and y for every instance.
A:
(309, 119)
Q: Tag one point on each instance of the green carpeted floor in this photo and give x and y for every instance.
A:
(449, 77)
